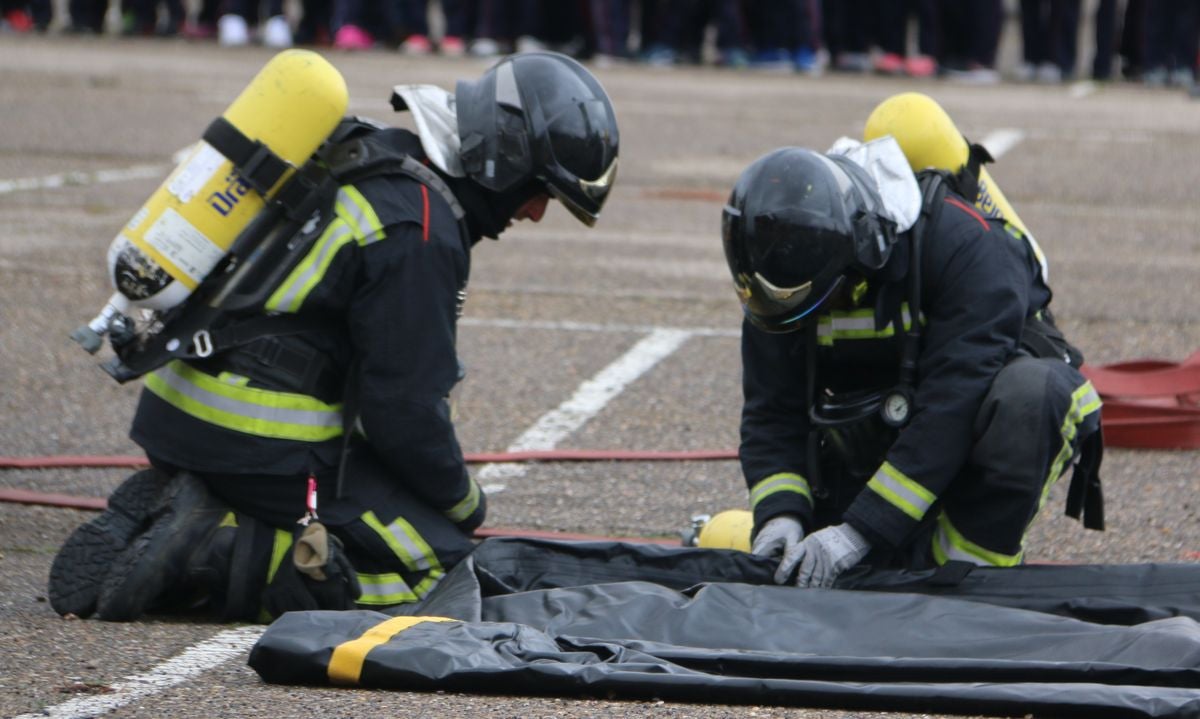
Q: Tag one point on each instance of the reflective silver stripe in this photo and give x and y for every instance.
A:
(247, 409)
(383, 589)
(305, 276)
(858, 324)
(901, 492)
(949, 544)
(467, 506)
(416, 558)
(355, 208)
(780, 482)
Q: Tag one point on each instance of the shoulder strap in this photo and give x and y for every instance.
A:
(933, 186)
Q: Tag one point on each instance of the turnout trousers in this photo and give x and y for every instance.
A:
(398, 546)
(1031, 429)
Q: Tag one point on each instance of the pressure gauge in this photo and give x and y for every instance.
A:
(896, 408)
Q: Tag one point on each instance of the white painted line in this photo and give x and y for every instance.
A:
(75, 179)
(588, 400)
(192, 662)
(569, 326)
(1001, 141)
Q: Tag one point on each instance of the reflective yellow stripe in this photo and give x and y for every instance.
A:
(856, 325)
(260, 412)
(384, 590)
(467, 506)
(901, 492)
(1084, 401)
(357, 212)
(780, 482)
(949, 543)
(411, 548)
(283, 543)
(292, 292)
(346, 663)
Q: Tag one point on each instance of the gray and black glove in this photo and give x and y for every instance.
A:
(779, 536)
(824, 555)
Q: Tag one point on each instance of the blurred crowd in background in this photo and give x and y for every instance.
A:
(1149, 41)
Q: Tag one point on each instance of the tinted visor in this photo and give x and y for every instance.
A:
(782, 269)
(595, 192)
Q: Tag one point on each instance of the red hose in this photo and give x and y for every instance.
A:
(533, 455)
(49, 499)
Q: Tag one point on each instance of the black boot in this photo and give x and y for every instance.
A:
(84, 560)
(156, 562)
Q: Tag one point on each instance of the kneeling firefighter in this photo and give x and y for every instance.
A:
(908, 400)
(337, 378)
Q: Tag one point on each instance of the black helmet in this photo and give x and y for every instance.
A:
(540, 116)
(796, 222)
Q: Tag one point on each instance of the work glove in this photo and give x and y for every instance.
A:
(319, 576)
(823, 556)
(780, 535)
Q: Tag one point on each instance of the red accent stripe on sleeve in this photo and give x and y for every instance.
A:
(969, 210)
(425, 215)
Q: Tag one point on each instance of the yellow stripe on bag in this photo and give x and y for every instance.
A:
(346, 664)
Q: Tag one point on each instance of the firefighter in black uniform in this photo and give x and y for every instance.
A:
(908, 400)
(351, 400)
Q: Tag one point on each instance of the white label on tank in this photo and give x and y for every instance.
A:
(137, 219)
(195, 172)
(180, 242)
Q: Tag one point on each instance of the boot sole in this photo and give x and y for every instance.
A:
(141, 572)
(79, 568)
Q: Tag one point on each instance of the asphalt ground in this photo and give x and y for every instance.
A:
(1104, 175)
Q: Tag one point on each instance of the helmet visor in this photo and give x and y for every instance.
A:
(595, 190)
(776, 310)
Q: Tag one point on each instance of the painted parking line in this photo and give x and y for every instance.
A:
(999, 142)
(75, 179)
(230, 644)
(589, 399)
(568, 326)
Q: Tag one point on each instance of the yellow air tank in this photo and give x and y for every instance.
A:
(727, 530)
(186, 227)
(929, 138)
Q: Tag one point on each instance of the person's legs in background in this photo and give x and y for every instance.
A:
(609, 22)
(1106, 35)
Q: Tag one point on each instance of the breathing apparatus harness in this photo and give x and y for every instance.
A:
(226, 311)
(860, 426)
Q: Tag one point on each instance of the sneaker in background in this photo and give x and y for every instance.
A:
(772, 58)
(659, 56)
(452, 46)
(529, 43)
(232, 31)
(734, 57)
(1049, 74)
(276, 32)
(975, 75)
(920, 66)
(416, 46)
(352, 37)
(889, 63)
(852, 62)
(484, 47)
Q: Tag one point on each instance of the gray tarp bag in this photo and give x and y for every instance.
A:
(630, 620)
